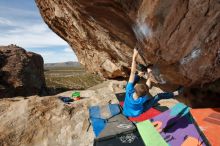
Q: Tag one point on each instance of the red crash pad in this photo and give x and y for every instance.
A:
(208, 120)
(144, 116)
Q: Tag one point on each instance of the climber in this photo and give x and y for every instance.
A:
(146, 73)
(137, 98)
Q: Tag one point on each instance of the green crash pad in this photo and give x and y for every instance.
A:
(150, 135)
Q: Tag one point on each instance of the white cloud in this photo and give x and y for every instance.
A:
(53, 57)
(34, 29)
(17, 12)
(68, 49)
(29, 36)
(47, 53)
(4, 21)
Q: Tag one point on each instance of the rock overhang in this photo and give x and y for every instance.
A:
(180, 37)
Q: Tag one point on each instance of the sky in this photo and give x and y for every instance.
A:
(21, 24)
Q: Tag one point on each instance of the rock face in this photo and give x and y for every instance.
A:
(21, 72)
(182, 38)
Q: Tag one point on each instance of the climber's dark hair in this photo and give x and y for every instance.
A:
(141, 89)
(142, 67)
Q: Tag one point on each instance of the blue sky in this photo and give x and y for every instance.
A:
(21, 24)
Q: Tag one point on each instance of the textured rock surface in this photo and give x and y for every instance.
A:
(21, 72)
(46, 121)
(181, 37)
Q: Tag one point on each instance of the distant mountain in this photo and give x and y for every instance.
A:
(63, 64)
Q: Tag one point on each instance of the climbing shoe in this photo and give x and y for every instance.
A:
(180, 90)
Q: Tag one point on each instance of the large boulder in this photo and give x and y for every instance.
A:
(182, 37)
(21, 72)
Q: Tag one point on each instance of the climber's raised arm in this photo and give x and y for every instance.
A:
(133, 66)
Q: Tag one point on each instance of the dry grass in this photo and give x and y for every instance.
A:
(70, 78)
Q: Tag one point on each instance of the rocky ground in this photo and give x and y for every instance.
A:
(46, 121)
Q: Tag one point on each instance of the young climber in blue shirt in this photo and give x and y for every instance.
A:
(137, 99)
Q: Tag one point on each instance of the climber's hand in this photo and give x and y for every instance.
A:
(135, 53)
(141, 74)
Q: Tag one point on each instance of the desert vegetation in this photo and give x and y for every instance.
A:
(60, 79)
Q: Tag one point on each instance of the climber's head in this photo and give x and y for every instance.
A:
(141, 90)
(141, 68)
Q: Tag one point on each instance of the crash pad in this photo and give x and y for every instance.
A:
(177, 127)
(107, 121)
(208, 119)
(126, 139)
(150, 135)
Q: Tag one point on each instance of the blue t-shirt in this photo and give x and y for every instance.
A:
(132, 107)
